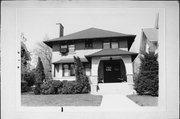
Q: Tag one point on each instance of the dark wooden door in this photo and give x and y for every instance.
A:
(111, 71)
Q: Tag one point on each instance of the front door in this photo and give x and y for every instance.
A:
(112, 71)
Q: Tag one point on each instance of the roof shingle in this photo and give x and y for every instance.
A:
(89, 34)
(112, 52)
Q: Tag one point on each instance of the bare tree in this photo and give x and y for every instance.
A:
(45, 53)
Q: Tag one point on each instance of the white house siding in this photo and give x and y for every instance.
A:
(126, 59)
(129, 67)
(57, 56)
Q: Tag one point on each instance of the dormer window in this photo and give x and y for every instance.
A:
(88, 44)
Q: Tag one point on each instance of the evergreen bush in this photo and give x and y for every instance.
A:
(81, 76)
(147, 82)
(39, 76)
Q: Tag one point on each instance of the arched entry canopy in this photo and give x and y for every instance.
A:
(111, 71)
(108, 68)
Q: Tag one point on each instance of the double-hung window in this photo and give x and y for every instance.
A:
(114, 44)
(71, 46)
(88, 43)
(68, 70)
(106, 44)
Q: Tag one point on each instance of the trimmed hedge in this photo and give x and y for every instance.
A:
(51, 87)
(65, 87)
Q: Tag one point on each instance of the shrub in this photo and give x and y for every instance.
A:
(29, 77)
(68, 87)
(37, 90)
(86, 85)
(146, 82)
(24, 86)
(64, 87)
(39, 75)
(51, 87)
(81, 77)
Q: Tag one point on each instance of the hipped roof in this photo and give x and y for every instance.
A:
(112, 52)
(151, 34)
(90, 33)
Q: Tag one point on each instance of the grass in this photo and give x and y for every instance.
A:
(144, 100)
(61, 100)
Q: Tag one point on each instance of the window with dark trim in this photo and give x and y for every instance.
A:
(88, 44)
(71, 46)
(64, 49)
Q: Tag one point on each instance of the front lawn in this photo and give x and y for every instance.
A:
(61, 100)
(144, 100)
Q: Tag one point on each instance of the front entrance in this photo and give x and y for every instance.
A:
(112, 71)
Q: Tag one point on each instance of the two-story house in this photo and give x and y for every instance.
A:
(149, 38)
(104, 54)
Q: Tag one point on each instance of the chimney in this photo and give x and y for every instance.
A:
(61, 29)
(157, 21)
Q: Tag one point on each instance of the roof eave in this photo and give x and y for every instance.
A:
(59, 40)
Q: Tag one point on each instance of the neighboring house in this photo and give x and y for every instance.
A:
(149, 39)
(148, 42)
(104, 54)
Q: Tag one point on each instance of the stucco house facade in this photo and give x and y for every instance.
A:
(148, 42)
(105, 55)
(149, 38)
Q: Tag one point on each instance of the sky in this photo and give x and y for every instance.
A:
(38, 23)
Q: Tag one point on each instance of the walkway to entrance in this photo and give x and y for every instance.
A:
(123, 88)
(117, 102)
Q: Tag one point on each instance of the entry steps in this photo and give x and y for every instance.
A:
(115, 88)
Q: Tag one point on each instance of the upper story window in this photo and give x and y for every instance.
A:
(88, 44)
(63, 48)
(114, 44)
(66, 47)
(71, 46)
(106, 44)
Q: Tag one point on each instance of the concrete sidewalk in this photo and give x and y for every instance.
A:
(115, 102)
